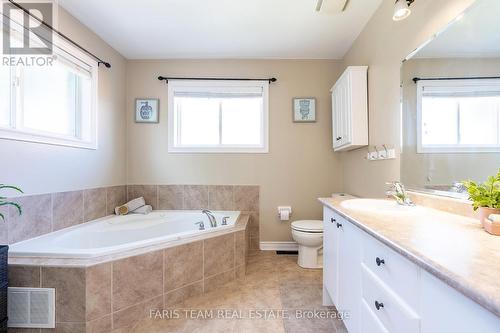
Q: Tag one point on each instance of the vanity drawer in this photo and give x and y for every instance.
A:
(395, 315)
(369, 321)
(395, 271)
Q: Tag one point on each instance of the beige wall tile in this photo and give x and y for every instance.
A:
(70, 292)
(137, 279)
(246, 198)
(240, 271)
(67, 209)
(240, 248)
(149, 192)
(4, 234)
(98, 291)
(67, 328)
(170, 197)
(220, 197)
(183, 265)
(35, 220)
(101, 325)
(195, 197)
(180, 295)
(128, 317)
(218, 254)
(94, 204)
(216, 281)
(24, 276)
(254, 243)
(115, 196)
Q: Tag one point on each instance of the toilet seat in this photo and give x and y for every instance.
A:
(308, 226)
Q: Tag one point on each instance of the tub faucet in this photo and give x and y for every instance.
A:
(398, 192)
(211, 217)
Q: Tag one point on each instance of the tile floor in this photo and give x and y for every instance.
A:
(273, 283)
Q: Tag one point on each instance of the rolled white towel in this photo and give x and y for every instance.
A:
(130, 206)
(146, 209)
(494, 218)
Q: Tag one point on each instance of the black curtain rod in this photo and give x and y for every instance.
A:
(164, 78)
(416, 79)
(99, 60)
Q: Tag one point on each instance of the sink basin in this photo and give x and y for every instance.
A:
(379, 206)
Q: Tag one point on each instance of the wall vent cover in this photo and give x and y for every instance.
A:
(32, 307)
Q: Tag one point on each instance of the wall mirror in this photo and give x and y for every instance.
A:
(451, 104)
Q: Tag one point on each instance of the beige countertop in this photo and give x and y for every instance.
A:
(452, 247)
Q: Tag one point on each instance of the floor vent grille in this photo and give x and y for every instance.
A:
(31, 307)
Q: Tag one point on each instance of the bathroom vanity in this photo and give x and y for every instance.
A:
(392, 268)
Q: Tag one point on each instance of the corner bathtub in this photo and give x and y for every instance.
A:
(114, 234)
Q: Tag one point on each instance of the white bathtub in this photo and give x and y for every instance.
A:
(120, 233)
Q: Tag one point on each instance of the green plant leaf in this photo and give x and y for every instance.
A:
(15, 204)
(3, 186)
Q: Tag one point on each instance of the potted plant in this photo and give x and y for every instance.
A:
(4, 252)
(485, 198)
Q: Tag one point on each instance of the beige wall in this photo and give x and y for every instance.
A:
(301, 165)
(382, 45)
(39, 168)
(421, 170)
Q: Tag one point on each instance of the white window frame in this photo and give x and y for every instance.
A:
(490, 84)
(183, 85)
(63, 49)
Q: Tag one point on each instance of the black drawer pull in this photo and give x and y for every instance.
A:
(380, 261)
(339, 225)
(333, 220)
(379, 305)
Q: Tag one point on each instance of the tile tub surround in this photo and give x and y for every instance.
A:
(244, 198)
(45, 213)
(113, 296)
(453, 248)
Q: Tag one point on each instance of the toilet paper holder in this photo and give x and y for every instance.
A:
(284, 212)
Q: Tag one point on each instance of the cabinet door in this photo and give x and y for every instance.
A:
(330, 254)
(350, 274)
(337, 116)
(347, 111)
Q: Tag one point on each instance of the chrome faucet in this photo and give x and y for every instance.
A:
(211, 217)
(398, 192)
(458, 187)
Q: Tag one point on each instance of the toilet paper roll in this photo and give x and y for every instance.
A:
(284, 215)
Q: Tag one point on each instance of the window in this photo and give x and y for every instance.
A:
(218, 116)
(52, 104)
(456, 116)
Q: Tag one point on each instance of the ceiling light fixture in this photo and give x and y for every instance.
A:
(402, 9)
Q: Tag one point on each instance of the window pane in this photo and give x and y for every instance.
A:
(50, 99)
(4, 96)
(439, 121)
(198, 119)
(241, 121)
(479, 120)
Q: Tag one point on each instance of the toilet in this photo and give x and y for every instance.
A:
(309, 235)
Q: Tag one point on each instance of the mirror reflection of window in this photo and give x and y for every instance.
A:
(457, 116)
(451, 104)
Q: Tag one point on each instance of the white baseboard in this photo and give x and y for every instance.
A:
(279, 246)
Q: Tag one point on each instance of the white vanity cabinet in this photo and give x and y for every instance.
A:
(350, 109)
(341, 273)
(382, 291)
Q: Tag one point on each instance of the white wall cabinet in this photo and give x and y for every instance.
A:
(350, 109)
(384, 292)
